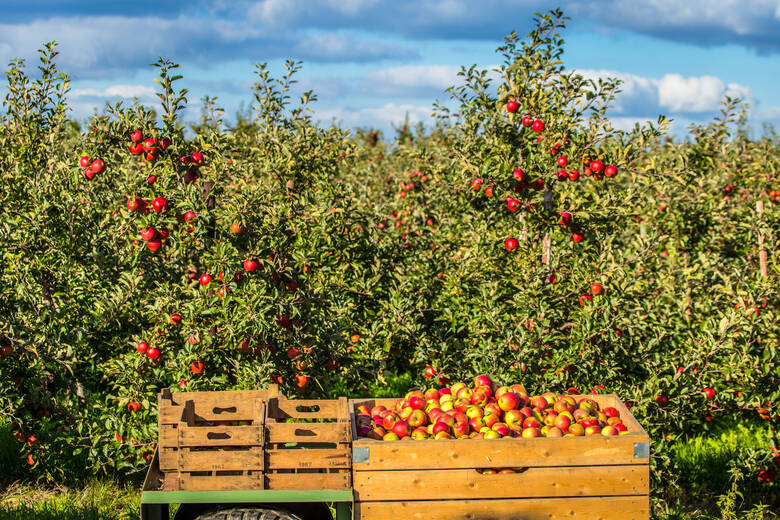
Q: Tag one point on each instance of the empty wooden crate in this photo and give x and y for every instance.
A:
(308, 444)
(212, 441)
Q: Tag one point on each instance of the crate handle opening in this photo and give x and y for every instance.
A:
(302, 432)
(217, 410)
(217, 436)
(307, 409)
(514, 471)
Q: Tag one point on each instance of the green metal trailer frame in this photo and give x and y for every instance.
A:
(154, 504)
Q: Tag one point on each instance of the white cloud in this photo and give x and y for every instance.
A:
(142, 92)
(672, 93)
(384, 117)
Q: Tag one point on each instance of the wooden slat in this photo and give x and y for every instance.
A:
(308, 458)
(221, 460)
(531, 483)
(308, 432)
(214, 436)
(591, 508)
(494, 453)
(167, 436)
(169, 458)
(288, 409)
(189, 482)
(333, 480)
(212, 406)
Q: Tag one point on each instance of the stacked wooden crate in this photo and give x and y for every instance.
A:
(551, 478)
(252, 440)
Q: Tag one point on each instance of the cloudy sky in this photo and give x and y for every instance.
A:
(372, 61)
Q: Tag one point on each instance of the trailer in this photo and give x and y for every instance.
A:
(256, 455)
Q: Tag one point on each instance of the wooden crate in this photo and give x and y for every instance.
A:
(565, 477)
(308, 444)
(212, 441)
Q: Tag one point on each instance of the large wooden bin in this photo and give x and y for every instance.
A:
(308, 444)
(573, 478)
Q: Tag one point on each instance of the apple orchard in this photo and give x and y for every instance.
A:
(522, 236)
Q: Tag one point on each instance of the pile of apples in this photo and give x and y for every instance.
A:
(486, 411)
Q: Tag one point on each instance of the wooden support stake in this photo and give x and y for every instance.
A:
(762, 253)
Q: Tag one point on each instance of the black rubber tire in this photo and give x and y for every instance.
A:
(248, 513)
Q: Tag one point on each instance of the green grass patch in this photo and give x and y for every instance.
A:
(94, 501)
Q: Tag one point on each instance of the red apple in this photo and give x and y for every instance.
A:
(508, 401)
(512, 106)
(531, 432)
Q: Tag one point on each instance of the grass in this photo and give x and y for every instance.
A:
(95, 501)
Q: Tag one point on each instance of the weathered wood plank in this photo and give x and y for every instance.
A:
(331, 480)
(601, 508)
(221, 460)
(308, 432)
(214, 436)
(188, 482)
(530, 483)
(308, 458)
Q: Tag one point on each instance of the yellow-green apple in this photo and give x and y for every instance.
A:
(431, 405)
(549, 419)
(475, 411)
(419, 434)
(406, 412)
(464, 393)
(609, 431)
(455, 388)
(592, 430)
(531, 432)
(577, 429)
(443, 398)
(514, 417)
(417, 419)
(501, 390)
(490, 434)
(443, 435)
(390, 436)
(550, 397)
(447, 405)
(580, 414)
(493, 409)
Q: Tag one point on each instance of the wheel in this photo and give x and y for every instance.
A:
(248, 513)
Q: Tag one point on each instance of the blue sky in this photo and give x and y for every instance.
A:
(372, 61)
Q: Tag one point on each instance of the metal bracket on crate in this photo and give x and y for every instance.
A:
(641, 450)
(360, 454)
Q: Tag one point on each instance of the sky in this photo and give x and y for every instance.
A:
(371, 62)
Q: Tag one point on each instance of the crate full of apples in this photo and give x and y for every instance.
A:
(493, 451)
